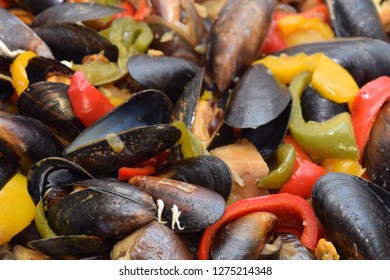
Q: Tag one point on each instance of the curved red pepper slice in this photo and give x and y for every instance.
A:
(366, 106)
(293, 212)
(88, 103)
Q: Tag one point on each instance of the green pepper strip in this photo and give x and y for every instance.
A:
(333, 138)
(190, 144)
(284, 160)
(41, 222)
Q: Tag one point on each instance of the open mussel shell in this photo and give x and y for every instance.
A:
(74, 12)
(106, 211)
(133, 132)
(356, 18)
(72, 247)
(231, 51)
(185, 207)
(185, 107)
(355, 215)
(244, 238)
(85, 41)
(49, 103)
(25, 140)
(37, 6)
(53, 172)
(291, 248)
(317, 108)
(22, 38)
(167, 74)
(206, 171)
(6, 87)
(153, 241)
(366, 59)
(44, 69)
(261, 106)
(376, 157)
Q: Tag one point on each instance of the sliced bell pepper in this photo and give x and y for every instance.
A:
(293, 212)
(334, 82)
(88, 103)
(18, 71)
(333, 138)
(16, 208)
(284, 160)
(348, 166)
(143, 11)
(303, 179)
(366, 106)
(300, 155)
(296, 29)
(41, 222)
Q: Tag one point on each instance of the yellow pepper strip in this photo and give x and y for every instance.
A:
(17, 209)
(18, 71)
(285, 68)
(334, 82)
(41, 223)
(352, 167)
(296, 30)
(326, 251)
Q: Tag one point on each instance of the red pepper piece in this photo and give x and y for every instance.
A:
(143, 11)
(301, 155)
(129, 11)
(292, 211)
(88, 103)
(366, 106)
(303, 179)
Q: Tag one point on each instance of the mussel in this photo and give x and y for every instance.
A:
(355, 215)
(236, 37)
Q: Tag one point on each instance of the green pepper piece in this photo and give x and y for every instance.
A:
(333, 138)
(282, 164)
(41, 222)
(191, 146)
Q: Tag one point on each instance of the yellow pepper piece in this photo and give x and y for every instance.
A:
(285, 68)
(18, 71)
(334, 82)
(296, 30)
(17, 209)
(352, 167)
(326, 251)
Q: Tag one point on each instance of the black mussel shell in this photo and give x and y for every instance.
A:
(25, 140)
(6, 89)
(355, 215)
(53, 172)
(167, 74)
(84, 41)
(16, 35)
(206, 171)
(49, 103)
(317, 108)
(74, 12)
(256, 99)
(366, 59)
(291, 248)
(185, 207)
(104, 213)
(7, 171)
(185, 107)
(153, 241)
(72, 246)
(231, 51)
(37, 6)
(356, 18)
(376, 157)
(42, 69)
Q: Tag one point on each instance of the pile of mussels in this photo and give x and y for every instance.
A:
(211, 123)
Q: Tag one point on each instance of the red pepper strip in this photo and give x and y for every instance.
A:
(129, 11)
(143, 11)
(365, 107)
(273, 42)
(291, 210)
(126, 173)
(303, 179)
(319, 11)
(4, 3)
(88, 103)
